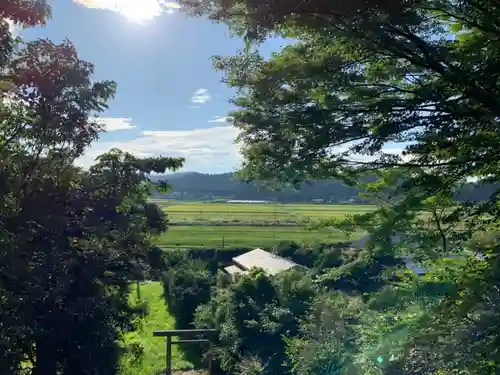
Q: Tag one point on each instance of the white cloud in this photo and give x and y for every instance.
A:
(388, 150)
(206, 150)
(209, 150)
(221, 119)
(115, 123)
(200, 96)
(135, 10)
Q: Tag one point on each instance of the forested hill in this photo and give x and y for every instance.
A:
(198, 186)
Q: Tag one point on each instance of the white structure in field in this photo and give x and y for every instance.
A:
(258, 258)
(248, 201)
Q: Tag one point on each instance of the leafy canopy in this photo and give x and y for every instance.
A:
(408, 90)
(363, 76)
(71, 240)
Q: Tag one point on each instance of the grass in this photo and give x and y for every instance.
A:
(243, 236)
(248, 225)
(221, 225)
(153, 358)
(251, 214)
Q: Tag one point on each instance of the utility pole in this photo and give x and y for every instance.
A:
(274, 231)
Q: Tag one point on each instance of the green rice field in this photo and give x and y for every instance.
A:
(220, 225)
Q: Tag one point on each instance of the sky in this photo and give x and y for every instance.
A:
(169, 101)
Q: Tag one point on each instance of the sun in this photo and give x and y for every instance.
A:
(140, 11)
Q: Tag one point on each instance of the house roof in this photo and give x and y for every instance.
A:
(395, 239)
(408, 259)
(363, 241)
(259, 258)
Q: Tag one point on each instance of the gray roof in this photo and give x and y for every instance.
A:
(363, 241)
(259, 258)
(408, 259)
(395, 239)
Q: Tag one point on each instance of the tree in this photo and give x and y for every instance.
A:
(187, 284)
(364, 77)
(254, 316)
(71, 240)
(327, 338)
(27, 13)
(361, 80)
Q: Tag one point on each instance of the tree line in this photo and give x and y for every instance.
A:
(227, 186)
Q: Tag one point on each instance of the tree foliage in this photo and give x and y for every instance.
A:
(187, 284)
(71, 240)
(363, 77)
(253, 317)
(407, 90)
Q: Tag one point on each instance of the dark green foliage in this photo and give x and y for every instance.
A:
(327, 339)
(339, 267)
(214, 257)
(366, 274)
(71, 240)
(463, 331)
(187, 284)
(197, 186)
(319, 257)
(362, 77)
(407, 91)
(156, 261)
(288, 323)
(254, 315)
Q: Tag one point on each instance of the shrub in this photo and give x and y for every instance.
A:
(254, 316)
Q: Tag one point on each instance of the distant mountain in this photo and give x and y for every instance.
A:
(176, 175)
(199, 186)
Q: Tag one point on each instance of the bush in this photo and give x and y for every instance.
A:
(187, 284)
(366, 274)
(214, 258)
(188, 279)
(254, 316)
(320, 257)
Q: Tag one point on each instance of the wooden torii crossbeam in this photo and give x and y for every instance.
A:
(181, 333)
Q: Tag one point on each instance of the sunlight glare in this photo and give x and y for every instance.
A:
(138, 11)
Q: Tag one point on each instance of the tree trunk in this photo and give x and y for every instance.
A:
(45, 360)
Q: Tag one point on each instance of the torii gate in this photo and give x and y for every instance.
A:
(180, 332)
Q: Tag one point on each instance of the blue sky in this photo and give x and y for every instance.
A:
(169, 101)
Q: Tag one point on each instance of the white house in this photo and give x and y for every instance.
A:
(258, 258)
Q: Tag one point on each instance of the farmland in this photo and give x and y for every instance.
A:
(218, 225)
